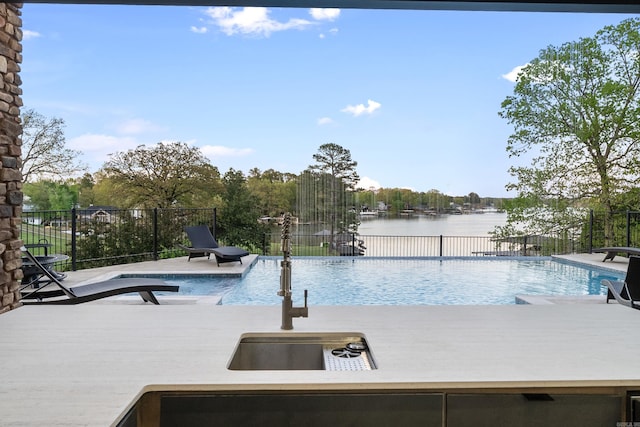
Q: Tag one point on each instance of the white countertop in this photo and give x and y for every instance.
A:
(83, 365)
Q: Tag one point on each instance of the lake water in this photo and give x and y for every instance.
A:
(446, 225)
(418, 236)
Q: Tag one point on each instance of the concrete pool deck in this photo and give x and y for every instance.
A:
(85, 365)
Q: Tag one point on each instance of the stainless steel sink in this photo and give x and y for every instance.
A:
(302, 351)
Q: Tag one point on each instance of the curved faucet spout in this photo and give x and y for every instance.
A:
(288, 310)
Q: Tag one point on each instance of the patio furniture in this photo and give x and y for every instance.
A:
(90, 292)
(612, 251)
(204, 244)
(42, 244)
(34, 277)
(627, 292)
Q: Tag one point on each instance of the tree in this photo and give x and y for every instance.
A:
(474, 199)
(48, 195)
(576, 108)
(238, 220)
(164, 175)
(333, 179)
(44, 153)
(86, 195)
(275, 191)
(336, 161)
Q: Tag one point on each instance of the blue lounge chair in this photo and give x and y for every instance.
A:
(628, 292)
(204, 244)
(91, 292)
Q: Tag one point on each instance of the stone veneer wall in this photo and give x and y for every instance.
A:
(10, 161)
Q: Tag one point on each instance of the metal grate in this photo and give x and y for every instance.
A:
(341, 359)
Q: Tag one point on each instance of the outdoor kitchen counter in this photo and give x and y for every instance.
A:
(85, 365)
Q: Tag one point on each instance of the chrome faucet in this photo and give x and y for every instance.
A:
(288, 310)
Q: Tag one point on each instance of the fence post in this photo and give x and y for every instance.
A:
(441, 245)
(264, 243)
(74, 229)
(155, 234)
(353, 244)
(215, 222)
(628, 228)
(590, 230)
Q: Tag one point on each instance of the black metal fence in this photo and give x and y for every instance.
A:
(97, 237)
(626, 229)
(424, 246)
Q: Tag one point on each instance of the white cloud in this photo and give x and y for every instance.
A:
(251, 21)
(216, 151)
(324, 14)
(325, 121)
(332, 32)
(198, 30)
(96, 148)
(360, 109)
(28, 34)
(137, 126)
(368, 183)
(512, 75)
(93, 143)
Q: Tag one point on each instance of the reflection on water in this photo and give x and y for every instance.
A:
(446, 225)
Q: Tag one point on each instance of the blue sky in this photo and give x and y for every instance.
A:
(414, 95)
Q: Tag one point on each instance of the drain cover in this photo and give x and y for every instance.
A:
(343, 359)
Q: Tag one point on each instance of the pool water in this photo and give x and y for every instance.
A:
(361, 281)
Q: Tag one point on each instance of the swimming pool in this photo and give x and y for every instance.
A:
(361, 281)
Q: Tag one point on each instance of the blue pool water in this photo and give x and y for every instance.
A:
(345, 281)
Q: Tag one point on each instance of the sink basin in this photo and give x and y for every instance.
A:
(334, 351)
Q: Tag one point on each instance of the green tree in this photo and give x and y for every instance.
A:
(49, 195)
(575, 108)
(336, 161)
(438, 201)
(164, 175)
(44, 151)
(474, 199)
(275, 191)
(86, 195)
(334, 179)
(102, 243)
(238, 220)
(105, 192)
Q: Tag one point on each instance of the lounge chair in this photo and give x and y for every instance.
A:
(33, 275)
(612, 251)
(627, 292)
(204, 244)
(91, 292)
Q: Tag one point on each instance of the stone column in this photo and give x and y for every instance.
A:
(10, 161)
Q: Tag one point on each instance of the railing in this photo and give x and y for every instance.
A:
(626, 230)
(423, 246)
(96, 237)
